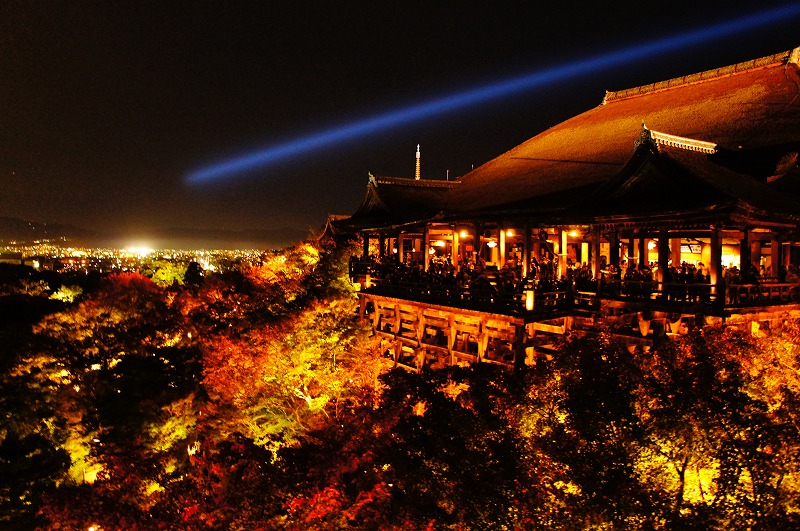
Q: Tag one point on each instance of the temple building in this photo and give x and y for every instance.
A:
(667, 206)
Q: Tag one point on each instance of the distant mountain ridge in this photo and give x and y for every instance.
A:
(22, 231)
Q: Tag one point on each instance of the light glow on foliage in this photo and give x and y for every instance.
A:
(67, 293)
(178, 421)
(152, 487)
(568, 487)
(453, 389)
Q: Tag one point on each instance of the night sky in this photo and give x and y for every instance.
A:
(107, 107)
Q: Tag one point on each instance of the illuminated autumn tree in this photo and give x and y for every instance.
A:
(281, 379)
(438, 452)
(677, 437)
(33, 459)
(67, 294)
(165, 273)
(117, 359)
(32, 432)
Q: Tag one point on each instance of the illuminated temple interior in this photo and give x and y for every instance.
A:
(667, 206)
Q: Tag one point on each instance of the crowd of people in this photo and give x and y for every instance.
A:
(476, 283)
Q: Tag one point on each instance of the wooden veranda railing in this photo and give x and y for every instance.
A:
(481, 297)
(488, 294)
(762, 294)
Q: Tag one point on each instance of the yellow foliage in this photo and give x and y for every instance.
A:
(151, 487)
(453, 389)
(178, 419)
(568, 487)
(82, 467)
(280, 378)
(67, 293)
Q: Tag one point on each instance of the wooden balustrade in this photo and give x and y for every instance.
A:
(489, 294)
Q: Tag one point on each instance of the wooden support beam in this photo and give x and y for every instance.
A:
(613, 248)
(663, 254)
(396, 323)
(715, 267)
(774, 254)
(451, 338)
(562, 253)
(518, 347)
(744, 252)
(483, 340)
(642, 258)
(596, 265)
(426, 257)
(501, 248)
(526, 249)
(455, 254)
(675, 252)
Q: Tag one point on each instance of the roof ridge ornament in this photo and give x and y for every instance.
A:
(789, 56)
(659, 139)
(794, 56)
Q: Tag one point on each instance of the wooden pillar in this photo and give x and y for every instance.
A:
(501, 247)
(562, 253)
(426, 257)
(477, 242)
(715, 267)
(631, 249)
(526, 250)
(774, 254)
(755, 252)
(613, 248)
(663, 254)
(675, 254)
(596, 253)
(381, 245)
(642, 259)
(455, 255)
(366, 245)
(744, 251)
(401, 257)
(518, 346)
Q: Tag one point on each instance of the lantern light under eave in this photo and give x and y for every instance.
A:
(529, 300)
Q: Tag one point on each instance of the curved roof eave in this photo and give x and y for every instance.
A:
(745, 106)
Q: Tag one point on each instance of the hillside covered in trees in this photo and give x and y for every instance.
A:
(253, 399)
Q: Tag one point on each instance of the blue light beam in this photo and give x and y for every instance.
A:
(362, 127)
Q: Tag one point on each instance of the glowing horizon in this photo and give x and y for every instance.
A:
(449, 103)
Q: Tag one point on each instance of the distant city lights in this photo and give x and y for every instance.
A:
(141, 250)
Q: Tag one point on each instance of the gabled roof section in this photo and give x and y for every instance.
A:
(393, 201)
(741, 108)
(652, 183)
(679, 142)
(679, 178)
